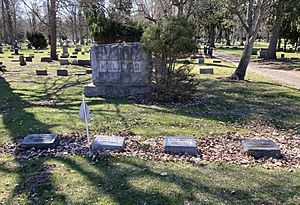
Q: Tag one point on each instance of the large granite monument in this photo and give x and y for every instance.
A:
(119, 70)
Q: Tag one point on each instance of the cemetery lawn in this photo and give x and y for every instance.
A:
(32, 104)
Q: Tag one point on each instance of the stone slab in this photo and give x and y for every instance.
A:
(89, 71)
(207, 71)
(180, 145)
(200, 60)
(106, 142)
(62, 72)
(28, 59)
(80, 73)
(84, 62)
(40, 141)
(114, 90)
(41, 72)
(263, 53)
(261, 148)
(254, 52)
(46, 59)
(64, 62)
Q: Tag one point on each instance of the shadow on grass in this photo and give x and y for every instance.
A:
(132, 181)
(17, 121)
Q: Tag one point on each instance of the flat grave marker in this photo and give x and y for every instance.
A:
(180, 145)
(62, 72)
(294, 58)
(106, 142)
(46, 59)
(84, 62)
(209, 71)
(15, 60)
(41, 72)
(28, 59)
(80, 73)
(40, 141)
(261, 148)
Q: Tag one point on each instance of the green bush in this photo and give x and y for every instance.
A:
(109, 27)
(37, 40)
(165, 41)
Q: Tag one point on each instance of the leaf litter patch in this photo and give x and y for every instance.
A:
(213, 149)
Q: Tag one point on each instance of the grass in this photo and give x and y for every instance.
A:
(77, 180)
(31, 104)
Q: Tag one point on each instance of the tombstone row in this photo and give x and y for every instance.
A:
(179, 145)
(61, 72)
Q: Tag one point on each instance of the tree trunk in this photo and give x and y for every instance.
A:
(212, 35)
(53, 29)
(3, 21)
(9, 23)
(276, 31)
(241, 36)
(252, 27)
(285, 44)
(240, 72)
(227, 37)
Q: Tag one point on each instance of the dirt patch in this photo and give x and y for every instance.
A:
(40, 177)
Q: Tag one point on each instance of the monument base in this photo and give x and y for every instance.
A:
(114, 90)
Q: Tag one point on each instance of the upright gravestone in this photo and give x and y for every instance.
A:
(16, 51)
(78, 48)
(22, 61)
(65, 53)
(119, 70)
(263, 53)
(1, 50)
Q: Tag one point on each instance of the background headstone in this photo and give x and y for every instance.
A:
(41, 72)
(207, 71)
(22, 61)
(62, 72)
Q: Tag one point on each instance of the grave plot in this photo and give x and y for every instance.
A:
(40, 141)
(180, 145)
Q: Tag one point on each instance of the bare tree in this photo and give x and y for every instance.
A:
(251, 14)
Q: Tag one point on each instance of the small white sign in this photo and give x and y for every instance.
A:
(87, 111)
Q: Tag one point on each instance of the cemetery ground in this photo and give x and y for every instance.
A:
(221, 114)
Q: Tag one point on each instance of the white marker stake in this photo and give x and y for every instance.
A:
(85, 118)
